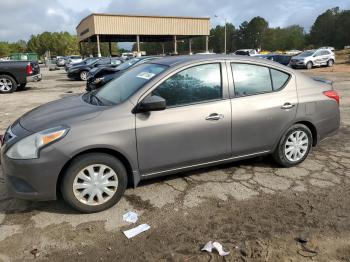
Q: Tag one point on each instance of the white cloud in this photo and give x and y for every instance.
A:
(21, 18)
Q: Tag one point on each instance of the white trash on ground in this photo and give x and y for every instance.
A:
(130, 217)
(136, 230)
(215, 245)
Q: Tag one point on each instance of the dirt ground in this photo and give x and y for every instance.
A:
(255, 209)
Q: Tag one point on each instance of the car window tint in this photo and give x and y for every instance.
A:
(104, 61)
(251, 79)
(279, 79)
(193, 85)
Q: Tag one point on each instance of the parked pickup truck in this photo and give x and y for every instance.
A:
(14, 75)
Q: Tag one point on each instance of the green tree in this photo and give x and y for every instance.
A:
(323, 31)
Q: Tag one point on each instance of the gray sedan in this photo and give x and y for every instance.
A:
(169, 115)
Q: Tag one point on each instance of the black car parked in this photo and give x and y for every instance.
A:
(84, 62)
(98, 77)
(80, 72)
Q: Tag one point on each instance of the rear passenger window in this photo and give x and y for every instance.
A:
(251, 79)
(279, 79)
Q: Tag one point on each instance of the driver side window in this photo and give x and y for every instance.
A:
(193, 85)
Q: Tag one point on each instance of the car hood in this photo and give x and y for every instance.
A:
(60, 112)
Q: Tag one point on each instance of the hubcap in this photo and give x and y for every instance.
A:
(83, 75)
(5, 84)
(296, 146)
(95, 185)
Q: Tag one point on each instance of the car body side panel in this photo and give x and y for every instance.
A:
(317, 108)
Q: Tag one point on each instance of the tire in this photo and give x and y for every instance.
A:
(7, 84)
(22, 87)
(283, 156)
(94, 162)
(330, 63)
(309, 65)
(83, 75)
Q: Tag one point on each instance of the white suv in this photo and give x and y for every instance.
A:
(309, 59)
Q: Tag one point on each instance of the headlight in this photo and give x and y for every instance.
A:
(98, 80)
(28, 148)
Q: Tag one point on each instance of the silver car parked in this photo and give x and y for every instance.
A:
(169, 115)
(311, 58)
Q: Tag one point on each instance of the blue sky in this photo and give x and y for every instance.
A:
(21, 18)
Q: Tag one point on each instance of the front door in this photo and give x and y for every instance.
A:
(194, 128)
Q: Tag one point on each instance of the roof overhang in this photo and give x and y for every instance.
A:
(124, 28)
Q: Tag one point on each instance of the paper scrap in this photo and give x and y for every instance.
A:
(136, 230)
(130, 217)
(215, 245)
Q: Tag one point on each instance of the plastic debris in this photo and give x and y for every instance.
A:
(215, 245)
(136, 230)
(130, 217)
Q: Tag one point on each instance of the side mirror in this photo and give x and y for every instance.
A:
(150, 103)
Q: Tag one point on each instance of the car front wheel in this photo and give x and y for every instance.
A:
(83, 75)
(309, 65)
(294, 146)
(94, 182)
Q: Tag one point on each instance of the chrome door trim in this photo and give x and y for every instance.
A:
(205, 163)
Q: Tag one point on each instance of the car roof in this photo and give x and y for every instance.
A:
(184, 59)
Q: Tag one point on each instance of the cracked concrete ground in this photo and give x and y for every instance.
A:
(253, 207)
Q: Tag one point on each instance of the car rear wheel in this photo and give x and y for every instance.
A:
(309, 65)
(294, 146)
(7, 84)
(83, 75)
(94, 182)
(330, 63)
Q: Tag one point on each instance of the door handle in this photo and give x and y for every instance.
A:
(287, 106)
(214, 117)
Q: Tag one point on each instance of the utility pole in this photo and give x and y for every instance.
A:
(225, 35)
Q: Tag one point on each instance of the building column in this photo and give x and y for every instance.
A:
(138, 44)
(98, 46)
(110, 48)
(175, 45)
(163, 49)
(207, 44)
(190, 46)
(80, 48)
(90, 48)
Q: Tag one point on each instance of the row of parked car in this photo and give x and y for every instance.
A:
(323, 56)
(99, 71)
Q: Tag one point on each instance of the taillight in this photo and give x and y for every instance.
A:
(332, 94)
(29, 70)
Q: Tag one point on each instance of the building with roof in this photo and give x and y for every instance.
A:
(139, 28)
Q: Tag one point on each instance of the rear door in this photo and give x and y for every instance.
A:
(264, 103)
(195, 127)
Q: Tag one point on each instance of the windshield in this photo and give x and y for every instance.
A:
(307, 53)
(75, 57)
(121, 88)
(128, 64)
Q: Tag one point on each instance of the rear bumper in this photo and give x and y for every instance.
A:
(34, 78)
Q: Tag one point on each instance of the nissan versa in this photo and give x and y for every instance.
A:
(165, 116)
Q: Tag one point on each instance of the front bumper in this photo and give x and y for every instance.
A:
(73, 75)
(34, 78)
(33, 179)
(300, 64)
